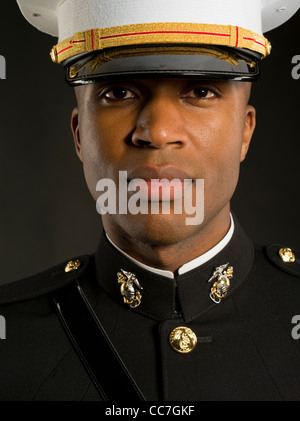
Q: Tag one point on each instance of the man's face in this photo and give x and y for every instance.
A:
(176, 128)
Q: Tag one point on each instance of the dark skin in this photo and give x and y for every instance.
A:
(201, 127)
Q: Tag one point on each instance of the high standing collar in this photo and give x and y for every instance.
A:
(185, 296)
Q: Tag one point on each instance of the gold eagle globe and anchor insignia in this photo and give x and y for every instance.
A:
(183, 340)
(221, 287)
(131, 295)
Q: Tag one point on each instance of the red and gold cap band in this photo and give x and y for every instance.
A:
(160, 33)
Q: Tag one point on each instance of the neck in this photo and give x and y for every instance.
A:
(172, 256)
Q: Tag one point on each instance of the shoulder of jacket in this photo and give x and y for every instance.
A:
(45, 282)
(284, 258)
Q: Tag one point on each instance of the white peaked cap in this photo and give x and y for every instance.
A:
(85, 26)
(64, 18)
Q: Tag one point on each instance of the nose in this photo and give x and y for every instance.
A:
(160, 124)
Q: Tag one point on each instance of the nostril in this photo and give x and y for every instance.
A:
(143, 143)
(148, 144)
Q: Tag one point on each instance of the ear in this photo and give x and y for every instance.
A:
(76, 132)
(250, 124)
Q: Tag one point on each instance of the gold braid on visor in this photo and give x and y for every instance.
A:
(160, 34)
(106, 56)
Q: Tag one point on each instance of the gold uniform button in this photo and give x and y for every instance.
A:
(183, 340)
(72, 265)
(287, 255)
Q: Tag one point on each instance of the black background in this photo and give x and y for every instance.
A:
(47, 214)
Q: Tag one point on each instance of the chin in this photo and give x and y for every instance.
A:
(160, 230)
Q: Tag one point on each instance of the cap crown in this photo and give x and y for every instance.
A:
(64, 18)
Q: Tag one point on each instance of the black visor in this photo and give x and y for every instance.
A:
(205, 62)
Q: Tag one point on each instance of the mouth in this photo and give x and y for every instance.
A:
(168, 172)
(160, 184)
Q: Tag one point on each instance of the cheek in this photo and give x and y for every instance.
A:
(95, 155)
(219, 138)
(219, 142)
(103, 143)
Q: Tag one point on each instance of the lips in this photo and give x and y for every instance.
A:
(159, 183)
(149, 173)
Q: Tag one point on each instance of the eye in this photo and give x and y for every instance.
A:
(200, 93)
(118, 94)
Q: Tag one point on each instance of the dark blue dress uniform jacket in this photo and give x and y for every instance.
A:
(245, 351)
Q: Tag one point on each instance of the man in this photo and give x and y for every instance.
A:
(170, 307)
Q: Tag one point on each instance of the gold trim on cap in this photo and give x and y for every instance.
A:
(125, 52)
(160, 33)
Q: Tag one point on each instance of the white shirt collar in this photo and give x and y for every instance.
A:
(193, 264)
